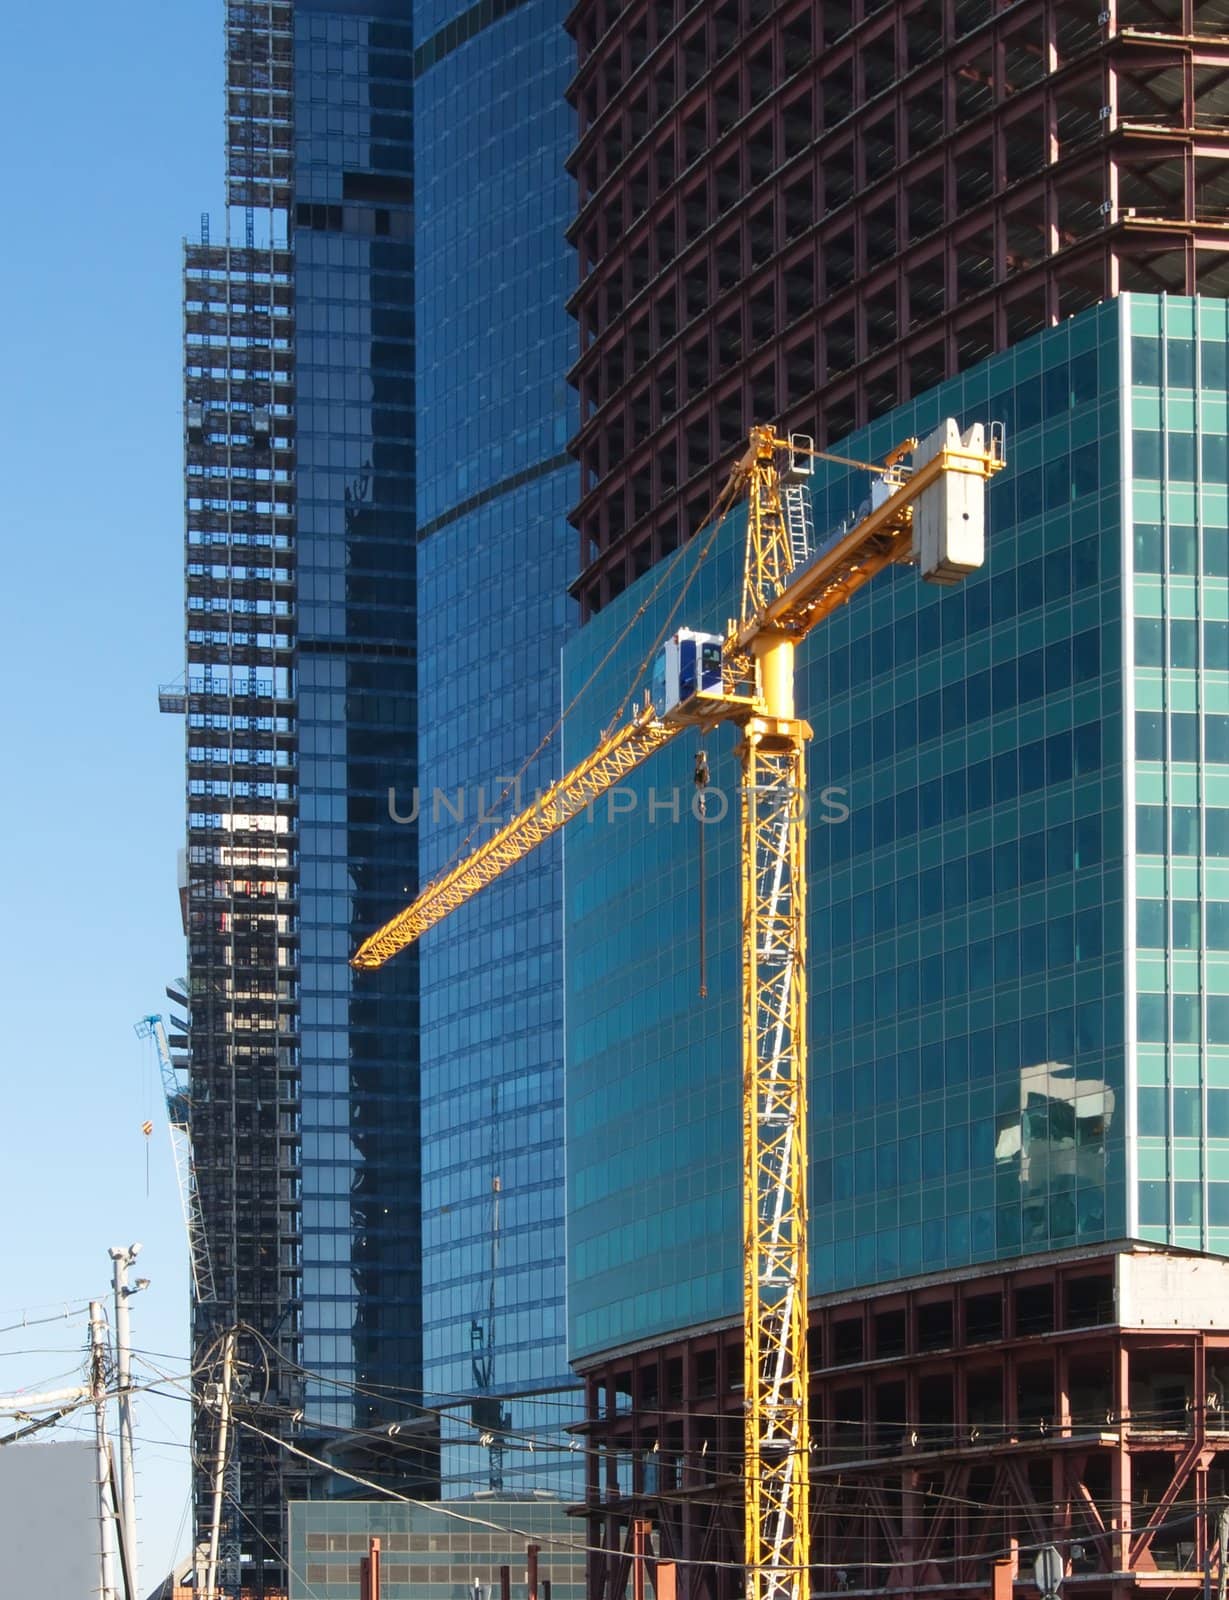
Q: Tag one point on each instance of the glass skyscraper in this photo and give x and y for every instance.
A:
(1017, 1032)
(495, 555)
(356, 645)
(378, 561)
(1018, 982)
(1176, 749)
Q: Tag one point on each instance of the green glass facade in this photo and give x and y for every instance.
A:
(972, 1022)
(1178, 855)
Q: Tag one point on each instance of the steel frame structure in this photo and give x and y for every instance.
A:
(950, 1419)
(811, 211)
(241, 895)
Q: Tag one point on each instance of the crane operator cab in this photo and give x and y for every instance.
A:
(687, 675)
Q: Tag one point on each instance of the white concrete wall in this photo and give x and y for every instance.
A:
(1160, 1291)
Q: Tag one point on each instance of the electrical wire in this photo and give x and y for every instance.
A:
(35, 1427)
(731, 1483)
(939, 1428)
(38, 1322)
(1180, 1512)
(705, 1563)
(723, 1491)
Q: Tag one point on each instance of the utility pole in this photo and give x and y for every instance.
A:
(98, 1391)
(121, 1260)
(219, 1469)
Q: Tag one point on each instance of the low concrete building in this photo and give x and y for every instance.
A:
(49, 1520)
(444, 1551)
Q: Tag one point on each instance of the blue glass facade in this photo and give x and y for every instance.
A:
(987, 800)
(495, 556)
(353, 255)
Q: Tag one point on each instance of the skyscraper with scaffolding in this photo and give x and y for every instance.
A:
(364, 507)
(300, 702)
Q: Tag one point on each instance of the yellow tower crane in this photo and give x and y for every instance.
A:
(927, 505)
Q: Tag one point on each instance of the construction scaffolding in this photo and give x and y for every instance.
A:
(238, 697)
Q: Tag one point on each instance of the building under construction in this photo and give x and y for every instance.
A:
(1075, 1400)
(810, 211)
(242, 890)
(856, 218)
(297, 695)
(1018, 1022)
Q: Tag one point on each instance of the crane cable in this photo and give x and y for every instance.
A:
(715, 514)
(700, 778)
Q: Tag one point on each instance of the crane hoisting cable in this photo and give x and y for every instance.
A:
(700, 777)
(926, 505)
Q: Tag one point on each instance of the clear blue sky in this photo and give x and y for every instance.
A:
(111, 127)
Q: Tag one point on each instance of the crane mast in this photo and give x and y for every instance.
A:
(772, 752)
(178, 1109)
(929, 510)
(223, 1523)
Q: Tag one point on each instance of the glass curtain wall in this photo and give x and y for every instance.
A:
(353, 251)
(966, 918)
(1179, 639)
(495, 555)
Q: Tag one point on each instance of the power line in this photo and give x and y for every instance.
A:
(706, 1563)
(38, 1322)
(1193, 1505)
(1187, 1508)
(914, 1429)
(1180, 1512)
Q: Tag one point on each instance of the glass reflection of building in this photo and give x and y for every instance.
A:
(495, 554)
(1056, 1140)
(1017, 939)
